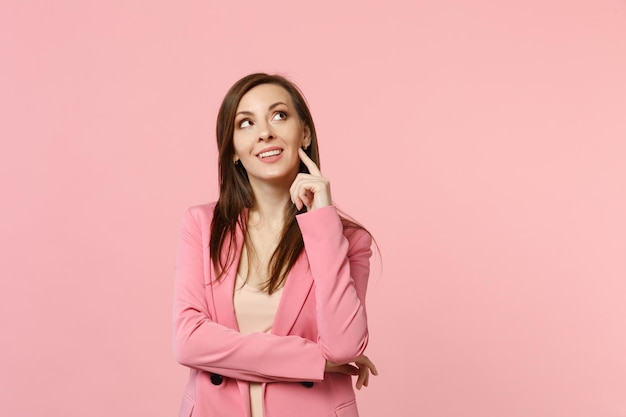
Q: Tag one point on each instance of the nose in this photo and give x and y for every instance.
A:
(265, 131)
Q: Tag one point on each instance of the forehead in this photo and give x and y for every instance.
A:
(262, 96)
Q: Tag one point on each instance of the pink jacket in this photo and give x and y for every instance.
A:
(321, 316)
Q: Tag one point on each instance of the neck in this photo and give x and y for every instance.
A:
(271, 205)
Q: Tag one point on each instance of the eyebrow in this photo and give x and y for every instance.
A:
(278, 103)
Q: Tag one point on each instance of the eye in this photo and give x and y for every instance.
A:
(280, 115)
(244, 123)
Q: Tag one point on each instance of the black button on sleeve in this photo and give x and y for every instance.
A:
(307, 384)
(216, 379)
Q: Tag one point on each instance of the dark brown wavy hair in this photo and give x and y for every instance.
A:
(236, 194)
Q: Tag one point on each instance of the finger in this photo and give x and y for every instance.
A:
(303, 192)
(373, 367)
(298, 203)
(302, 197)
(364, 379)
(361, 379)
(308, 162)
(364, 359)
(298, 190)
(313, 191)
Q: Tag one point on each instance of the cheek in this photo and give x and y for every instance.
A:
(239, 145)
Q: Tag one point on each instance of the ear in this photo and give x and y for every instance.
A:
(235, 159)
(306, 141)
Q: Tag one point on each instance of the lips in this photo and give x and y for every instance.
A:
(267, 153)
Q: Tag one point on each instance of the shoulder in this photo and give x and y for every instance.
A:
(199, 215)
(200, 211)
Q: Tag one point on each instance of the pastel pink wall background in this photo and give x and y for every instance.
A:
(482, 142)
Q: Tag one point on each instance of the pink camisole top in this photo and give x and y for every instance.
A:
(255, 311)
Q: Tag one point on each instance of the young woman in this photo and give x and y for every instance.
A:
(269, 309)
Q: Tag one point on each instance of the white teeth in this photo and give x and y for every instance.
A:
(270, 153)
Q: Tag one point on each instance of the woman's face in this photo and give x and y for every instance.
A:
(267, 135)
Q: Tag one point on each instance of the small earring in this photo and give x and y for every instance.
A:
(236, 162)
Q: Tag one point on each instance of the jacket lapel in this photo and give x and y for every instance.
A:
(297, 288)
(224, 289)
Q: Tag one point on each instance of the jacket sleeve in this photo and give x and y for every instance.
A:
(340, 269)
(202, 343)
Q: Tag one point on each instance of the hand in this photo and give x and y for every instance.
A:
(345, 368)
(365, 366)
(362, 367)
(311, 190)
